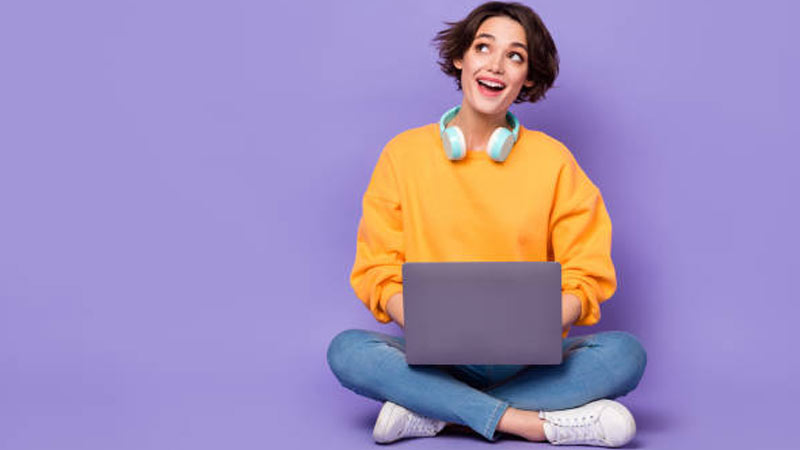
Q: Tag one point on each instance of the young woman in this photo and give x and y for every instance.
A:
(480, 187)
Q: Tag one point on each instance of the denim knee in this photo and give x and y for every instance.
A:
(627, 356)
(340, 353)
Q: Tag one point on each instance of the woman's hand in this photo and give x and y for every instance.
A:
(570, 310)
(395, 308)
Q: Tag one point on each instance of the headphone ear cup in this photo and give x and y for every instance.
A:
(500, 143)
(454, 143)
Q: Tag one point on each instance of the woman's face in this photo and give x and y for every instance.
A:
(495, 67)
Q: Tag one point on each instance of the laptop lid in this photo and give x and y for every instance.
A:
(482, 312)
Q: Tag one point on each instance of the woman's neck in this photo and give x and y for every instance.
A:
(477, 127)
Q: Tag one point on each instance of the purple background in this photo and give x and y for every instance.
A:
(181, 182)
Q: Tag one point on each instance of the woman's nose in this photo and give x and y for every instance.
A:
(496, 63)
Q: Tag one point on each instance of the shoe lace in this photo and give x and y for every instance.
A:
(578, 429)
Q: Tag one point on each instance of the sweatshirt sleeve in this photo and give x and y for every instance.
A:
(580, 235)
(377, 270)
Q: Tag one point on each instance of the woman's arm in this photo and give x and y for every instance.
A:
(580, 239)
(377, 270)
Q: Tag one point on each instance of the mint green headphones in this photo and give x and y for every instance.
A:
(500, 142)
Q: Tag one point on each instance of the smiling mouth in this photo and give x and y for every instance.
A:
(492, 85)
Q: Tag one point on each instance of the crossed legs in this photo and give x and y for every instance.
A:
(489, 398)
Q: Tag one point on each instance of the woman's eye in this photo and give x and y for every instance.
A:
(479, 47)
(518, 56)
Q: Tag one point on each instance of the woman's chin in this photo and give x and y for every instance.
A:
(487, 107)
(490, 109)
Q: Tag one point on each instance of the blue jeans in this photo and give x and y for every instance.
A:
(601, 365)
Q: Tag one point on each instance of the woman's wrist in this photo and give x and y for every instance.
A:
(394, 307)
(571, 309)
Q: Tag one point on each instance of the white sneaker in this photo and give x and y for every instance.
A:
(604, 423)
(395, 422)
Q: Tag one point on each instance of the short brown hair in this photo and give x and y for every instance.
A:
(454, 41)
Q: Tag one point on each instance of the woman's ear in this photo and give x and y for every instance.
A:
(528, 84)
(457, 63)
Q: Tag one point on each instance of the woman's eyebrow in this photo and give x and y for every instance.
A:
(513, 44)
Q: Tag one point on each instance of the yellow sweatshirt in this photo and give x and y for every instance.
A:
(537, 205)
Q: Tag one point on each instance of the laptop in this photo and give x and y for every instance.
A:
(482, 312)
